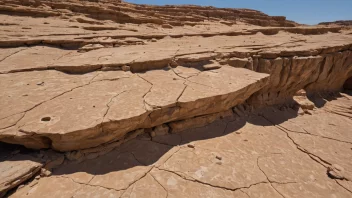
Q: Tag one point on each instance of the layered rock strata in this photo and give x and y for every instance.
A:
(86, 77)
(103, 107)
(67, 87)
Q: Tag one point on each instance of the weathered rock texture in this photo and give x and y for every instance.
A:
(86, 77)
(81, 73)
(267, 153)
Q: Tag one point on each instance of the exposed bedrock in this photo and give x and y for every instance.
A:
(81, 74)
(132, 13)
(315, 74)
(88, 110)
(84, 77)
(51, 109)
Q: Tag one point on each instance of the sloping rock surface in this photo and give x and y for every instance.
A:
(270, 153)
(79, 89)
(86, 77)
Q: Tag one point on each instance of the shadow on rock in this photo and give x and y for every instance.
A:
(132, 160)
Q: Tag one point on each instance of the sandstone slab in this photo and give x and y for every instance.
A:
(16, 170)
(118, 104)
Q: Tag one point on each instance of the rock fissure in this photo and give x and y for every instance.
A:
(50, 99)
(167, 193)
(207, 184)
(349, 190)
(12, 54)
(86, 77)
(87, 184)
(270, 181)
(108, 107)
(307, 133)
(321, 161)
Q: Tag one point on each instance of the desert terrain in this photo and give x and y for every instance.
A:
(112, 99)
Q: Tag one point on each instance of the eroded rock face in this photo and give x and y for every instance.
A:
(322, 73)
(181, 91)
(122, 12)
(17, 170)
(148, 67)
(270, 152)
(106, 109)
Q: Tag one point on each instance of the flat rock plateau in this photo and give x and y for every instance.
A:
(106, 98)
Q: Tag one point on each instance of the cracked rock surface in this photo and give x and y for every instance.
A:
(112, 99)
(240, 156)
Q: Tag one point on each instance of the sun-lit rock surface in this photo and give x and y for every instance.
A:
(231, 157)
(188, 101)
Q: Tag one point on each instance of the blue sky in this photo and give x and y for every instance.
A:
(301, 11)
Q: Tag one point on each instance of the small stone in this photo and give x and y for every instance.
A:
(40, 83)
(218, 157)
(190, 146)
(154, 40)
(300, 111)
(152, 134)
(336, 171)
(126, 68)
(211, 67)
(173, 63)
(218, 162)
(45, 172)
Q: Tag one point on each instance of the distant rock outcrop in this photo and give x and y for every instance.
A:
(341, 23)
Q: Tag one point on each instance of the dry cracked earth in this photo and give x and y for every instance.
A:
(111, 99)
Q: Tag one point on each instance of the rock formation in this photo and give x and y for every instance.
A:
(84, 77)
(341, 23)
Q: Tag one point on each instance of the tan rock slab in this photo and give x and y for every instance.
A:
(16, 170)
(237, 157)
(50, 187)
(35, 88)
(119, 103)
(31, 58)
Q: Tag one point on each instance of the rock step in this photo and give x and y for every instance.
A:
(119, 37)
(160, 54)
(17, 170)
(70, 112)
(122, 12)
